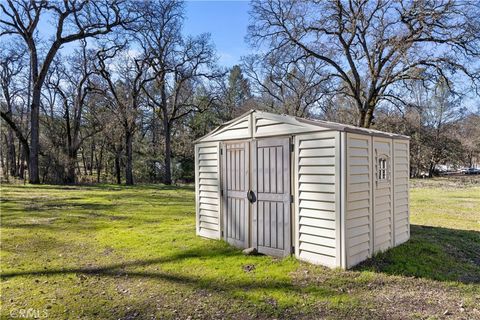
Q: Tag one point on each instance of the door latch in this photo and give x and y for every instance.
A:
(251, 196)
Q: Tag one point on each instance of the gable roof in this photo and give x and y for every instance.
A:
(255, 124)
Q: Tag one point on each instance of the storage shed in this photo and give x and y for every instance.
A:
(331, 194)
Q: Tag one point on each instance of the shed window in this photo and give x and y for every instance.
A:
(382, 169)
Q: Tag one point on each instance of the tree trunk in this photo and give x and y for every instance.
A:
(2, 162)
(11, 154)
(71, 166)
(84, 161)
(128, 150)
(167, 179)
(431, 170)
(92, 151)
(106, 172)
(369, 116)
(34, 175)
(98, 161)
(168, 152)
(46, 171)
(154, 147)
(21, 167)
(117, 168)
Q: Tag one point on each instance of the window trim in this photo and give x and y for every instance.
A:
(382, 166)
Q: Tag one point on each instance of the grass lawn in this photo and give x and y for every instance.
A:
(131, 252)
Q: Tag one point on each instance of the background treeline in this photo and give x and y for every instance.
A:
(116, 92)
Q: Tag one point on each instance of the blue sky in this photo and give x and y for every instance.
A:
(227, 23)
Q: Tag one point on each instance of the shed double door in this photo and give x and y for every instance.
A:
(257, 195)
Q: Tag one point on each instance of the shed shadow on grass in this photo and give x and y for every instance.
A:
(435, 253)
(58, 215)
(232, 287)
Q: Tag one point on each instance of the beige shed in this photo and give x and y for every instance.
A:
(329, 193)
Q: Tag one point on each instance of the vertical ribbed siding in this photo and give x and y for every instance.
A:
(400, 177)
(358, 207)
(382, 213)
(315, 200)
(207, 189)
(236, 184)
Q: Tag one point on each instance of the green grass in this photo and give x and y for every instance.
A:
(131, 252)
(445, 207)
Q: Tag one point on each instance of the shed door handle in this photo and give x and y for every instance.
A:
(251, 196)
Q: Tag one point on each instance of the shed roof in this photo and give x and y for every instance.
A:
(291, 124)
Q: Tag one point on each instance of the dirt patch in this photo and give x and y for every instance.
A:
(406, 298)
(393, 297)
(40, 221)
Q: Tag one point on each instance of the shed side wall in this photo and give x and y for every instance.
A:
(359, 199)
(401, 193)
(316, 163)
(383, 195)
(207, 189)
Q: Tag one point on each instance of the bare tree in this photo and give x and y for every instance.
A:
(159, 38)
(468, 131)
(176, 65)
(73, 21)
(434, 120)
(124, 88)
(373, 46)
(440, 113)
(11, 66)
(288, 83)
(74, 85)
